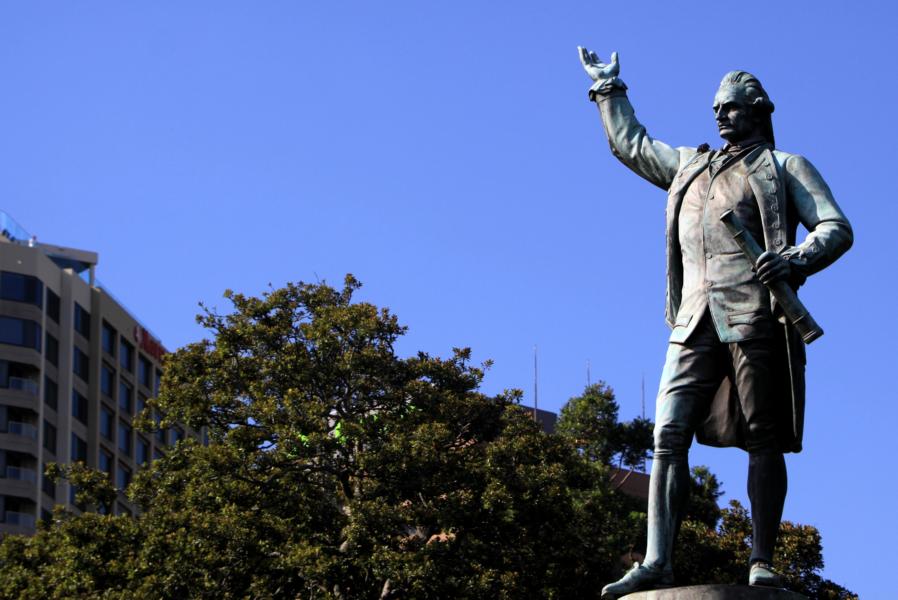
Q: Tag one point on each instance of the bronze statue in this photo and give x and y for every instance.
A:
(734, 373)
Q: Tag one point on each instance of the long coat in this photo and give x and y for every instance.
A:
(789, 191)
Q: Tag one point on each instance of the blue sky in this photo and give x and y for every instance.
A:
(445, 154)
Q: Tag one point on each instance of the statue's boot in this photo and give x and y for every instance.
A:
(668, 493)
(767, 483)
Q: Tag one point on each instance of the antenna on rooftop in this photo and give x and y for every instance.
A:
(643, 396)
(535, 383)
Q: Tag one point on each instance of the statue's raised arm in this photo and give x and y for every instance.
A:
(649, 158)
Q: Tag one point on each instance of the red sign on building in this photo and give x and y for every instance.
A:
(148, 343)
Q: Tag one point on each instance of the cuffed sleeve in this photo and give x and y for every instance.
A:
(606, 87)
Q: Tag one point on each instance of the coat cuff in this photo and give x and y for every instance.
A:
(798, 261)
(607, 88)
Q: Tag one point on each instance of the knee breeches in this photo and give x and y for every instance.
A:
(693, 372)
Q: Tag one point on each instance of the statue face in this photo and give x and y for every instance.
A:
(734, 115)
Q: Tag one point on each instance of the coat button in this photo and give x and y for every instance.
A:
(778, 242)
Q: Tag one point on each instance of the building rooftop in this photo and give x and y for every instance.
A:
(82, 262)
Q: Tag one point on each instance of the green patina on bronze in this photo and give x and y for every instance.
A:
(734, 374)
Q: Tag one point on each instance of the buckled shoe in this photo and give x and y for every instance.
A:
(762, 573)
(637, 579)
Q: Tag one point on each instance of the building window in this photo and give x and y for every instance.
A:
(21, 288)
(107, 423)
(105, 462)
(141, 402)
(49, 437)
(82, 321)
(79, 449)
(52, 351)
(143, 451)
(109, 336)
(52, 305)
(157, 454)
(19, 376)
(144, 371)
(122, 476)
(20, 332)
(107, 380)
(126, 355)
(79, 407)
(51, 393)
(81, 364)
(177, 434)
(125, 397)
(124, 438)
(47, 484)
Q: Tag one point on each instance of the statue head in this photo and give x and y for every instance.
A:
(742, 108)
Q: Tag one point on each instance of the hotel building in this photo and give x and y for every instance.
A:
(75, 368)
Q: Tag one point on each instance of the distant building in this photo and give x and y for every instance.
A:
(75, 367)
(632, 483)
(545, 419)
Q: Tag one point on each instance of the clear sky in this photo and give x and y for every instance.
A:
(446, 154)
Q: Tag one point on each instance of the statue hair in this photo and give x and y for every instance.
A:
(758, 98)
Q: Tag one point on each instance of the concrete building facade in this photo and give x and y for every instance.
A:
(75, 369)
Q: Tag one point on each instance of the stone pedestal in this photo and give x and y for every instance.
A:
(716, 592)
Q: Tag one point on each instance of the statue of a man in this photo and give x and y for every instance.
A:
(734, 373)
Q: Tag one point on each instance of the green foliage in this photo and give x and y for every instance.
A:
(709, 554)
(704, 493)
(335, 469)
(590, 423)
(338, 470)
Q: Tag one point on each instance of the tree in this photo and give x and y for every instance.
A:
(720, 554)
(334, 469)
(590, 423)
(704, 492)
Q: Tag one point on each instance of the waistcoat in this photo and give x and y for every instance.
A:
(716, 274)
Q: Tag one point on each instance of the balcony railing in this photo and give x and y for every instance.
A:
(21, 473)
(23, 429)
(19, 518)
(28, 386)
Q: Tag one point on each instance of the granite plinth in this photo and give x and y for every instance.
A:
(716, 592)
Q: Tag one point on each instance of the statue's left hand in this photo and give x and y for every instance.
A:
(594, 66)
(772, 267)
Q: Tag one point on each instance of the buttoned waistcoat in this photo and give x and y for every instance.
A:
(789, 191)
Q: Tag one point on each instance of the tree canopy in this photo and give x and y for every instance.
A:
(337, 469)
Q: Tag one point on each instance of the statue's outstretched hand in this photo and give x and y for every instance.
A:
(595, 68)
